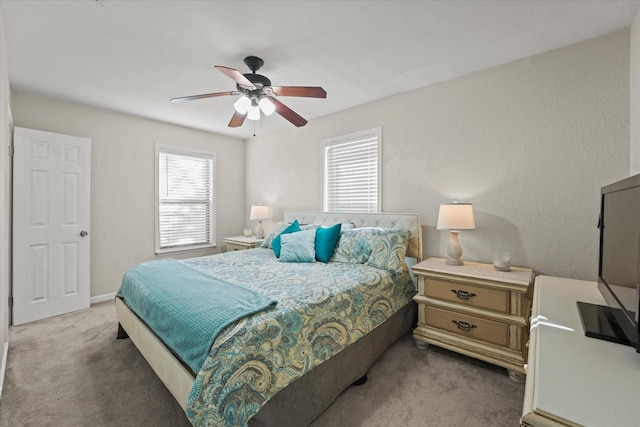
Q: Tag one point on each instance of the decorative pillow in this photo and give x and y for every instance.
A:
(353, 247)
(277, 229)
(388, 249)
(309, 227)
(348, 226)
(378, 247)
(275, 243)
(298, 246)
(326, 241)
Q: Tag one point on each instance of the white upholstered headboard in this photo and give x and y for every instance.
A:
(405, 221)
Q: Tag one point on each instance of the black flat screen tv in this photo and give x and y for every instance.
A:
(618, 267)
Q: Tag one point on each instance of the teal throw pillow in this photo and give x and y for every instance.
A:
(276, 242)
(298, 246)
(326, 241)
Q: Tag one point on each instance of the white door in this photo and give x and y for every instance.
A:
(51, 219)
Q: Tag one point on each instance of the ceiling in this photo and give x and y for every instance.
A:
(133, 56)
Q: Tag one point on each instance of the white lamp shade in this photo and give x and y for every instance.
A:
(254, 113)
(456, 216)
(259, 213)
(266, 106)
(242, 105)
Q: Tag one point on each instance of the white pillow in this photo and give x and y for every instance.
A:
(279, 227)
(298, 246)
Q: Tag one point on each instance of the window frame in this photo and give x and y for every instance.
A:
(187, 152)
(328, 143)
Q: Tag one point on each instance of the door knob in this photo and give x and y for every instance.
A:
(83, 233)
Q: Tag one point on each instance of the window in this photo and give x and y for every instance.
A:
(185, 199)
(352, 172)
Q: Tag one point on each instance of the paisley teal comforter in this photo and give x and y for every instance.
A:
(188, 322)
(322, 308)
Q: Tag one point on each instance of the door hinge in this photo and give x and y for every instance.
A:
(10, 301)
(11, 151)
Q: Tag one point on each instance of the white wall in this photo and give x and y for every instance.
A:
(5, 193)
(122, 179)
(634, 76)
(529, 143)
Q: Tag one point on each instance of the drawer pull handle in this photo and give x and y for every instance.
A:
(464, 295)
(464, 326)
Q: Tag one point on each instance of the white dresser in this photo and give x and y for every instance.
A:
(573, 380)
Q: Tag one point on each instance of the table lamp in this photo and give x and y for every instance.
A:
(454, 217)
(259, 213)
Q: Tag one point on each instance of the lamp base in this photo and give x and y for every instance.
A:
(454, 250)
(259, 230)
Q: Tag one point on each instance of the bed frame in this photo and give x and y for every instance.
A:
(303, 400)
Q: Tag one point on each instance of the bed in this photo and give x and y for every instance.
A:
(262, 370)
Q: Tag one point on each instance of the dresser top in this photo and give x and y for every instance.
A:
(585, 380)
(517, 275)
(243, 239)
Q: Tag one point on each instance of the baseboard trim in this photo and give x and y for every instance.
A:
(102, 298)
(3, 366)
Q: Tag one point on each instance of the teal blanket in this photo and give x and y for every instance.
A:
(185, 307)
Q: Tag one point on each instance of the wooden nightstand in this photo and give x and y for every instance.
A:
(475, 310)
(239, 243)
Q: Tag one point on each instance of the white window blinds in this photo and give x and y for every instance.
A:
(352, 172)
(185, 199)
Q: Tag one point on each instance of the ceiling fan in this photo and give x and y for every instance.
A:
(258, 95)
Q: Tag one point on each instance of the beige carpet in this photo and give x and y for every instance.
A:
(71, 371)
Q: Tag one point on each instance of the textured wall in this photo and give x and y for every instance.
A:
(529, 143)
(634, 84)
(5, 189)
(122, 179)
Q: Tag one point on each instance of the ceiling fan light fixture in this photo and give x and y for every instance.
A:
(242, 104)
(257, 96)
(267, 106)
(254, 113)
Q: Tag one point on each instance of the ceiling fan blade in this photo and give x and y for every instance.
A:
(307, 91)
(237, 119)
(288, 113)
(236, 76)
(204, 95)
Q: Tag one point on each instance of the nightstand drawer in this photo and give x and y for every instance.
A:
(239, 243)
(468, 326)
(236, 247)
(468, 294)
